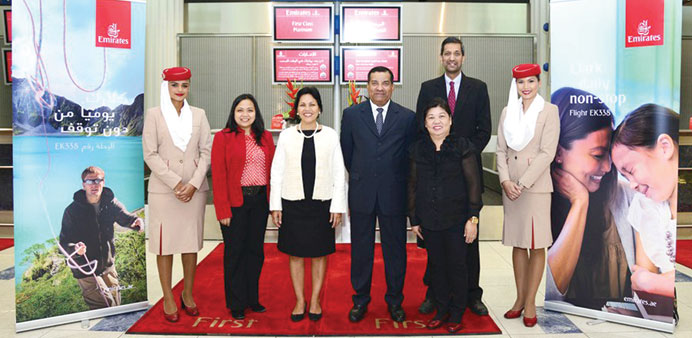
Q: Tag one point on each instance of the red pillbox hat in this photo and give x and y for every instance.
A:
(525, 70)
(176, 74)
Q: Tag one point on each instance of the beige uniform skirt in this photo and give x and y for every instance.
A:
(175, 227)
(527, 221)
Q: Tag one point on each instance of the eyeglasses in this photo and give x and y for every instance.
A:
(93, 181)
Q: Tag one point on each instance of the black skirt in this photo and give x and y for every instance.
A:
(305, 229)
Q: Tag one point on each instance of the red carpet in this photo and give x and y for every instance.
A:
(276, 293)
(683, 252)
(6, 243)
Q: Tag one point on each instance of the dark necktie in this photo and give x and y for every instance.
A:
(452, 98)
(379, 121)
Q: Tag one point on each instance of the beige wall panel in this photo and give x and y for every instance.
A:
(222, 68)
(5, 105)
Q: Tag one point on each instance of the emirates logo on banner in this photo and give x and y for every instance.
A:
(113, 23)
(644, 23)
(643, 28)
(113, 31)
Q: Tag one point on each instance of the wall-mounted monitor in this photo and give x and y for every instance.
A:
(308, 24)
(7, 65)
(356, 62)
(307, 65)
(7, 24)
(370, 24)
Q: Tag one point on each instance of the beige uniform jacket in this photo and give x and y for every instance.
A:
(530, 167)
(169, 165)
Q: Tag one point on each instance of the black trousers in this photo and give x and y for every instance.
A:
(473, 266)
(393, 239)
(447, 251)
(243, 254)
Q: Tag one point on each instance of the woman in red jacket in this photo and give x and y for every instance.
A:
(241, 157)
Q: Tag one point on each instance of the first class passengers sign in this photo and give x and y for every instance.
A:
(303, 24)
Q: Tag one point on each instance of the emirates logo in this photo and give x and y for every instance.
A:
(112, 37)
(113, 24)
(644, 22)
(644, 35)
(113, 30)
(643, 28)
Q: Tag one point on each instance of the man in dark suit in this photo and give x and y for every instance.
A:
(468, 99)
(375, 136)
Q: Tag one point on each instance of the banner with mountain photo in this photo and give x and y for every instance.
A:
(77, 103)
(615, 77)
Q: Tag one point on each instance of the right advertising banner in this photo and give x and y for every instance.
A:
(615, 77)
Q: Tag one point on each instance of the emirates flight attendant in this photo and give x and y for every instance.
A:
(177, 146)
(527, 138)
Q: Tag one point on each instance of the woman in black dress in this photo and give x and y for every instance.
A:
(307, 197)
(444, 192)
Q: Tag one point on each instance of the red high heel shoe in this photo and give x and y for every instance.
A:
(530, 322)
(511, 314)
(173, 317)
(436, 323)
(190, 310)
(454, 327)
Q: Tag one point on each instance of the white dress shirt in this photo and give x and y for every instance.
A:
(457, 83)
(374, 107)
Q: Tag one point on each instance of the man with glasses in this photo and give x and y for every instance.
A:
(87, 237)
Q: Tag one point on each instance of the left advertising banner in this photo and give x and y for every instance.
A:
(77, 105)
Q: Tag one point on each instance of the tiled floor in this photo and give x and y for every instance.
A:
(496, 279)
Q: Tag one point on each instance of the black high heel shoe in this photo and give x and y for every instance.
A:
(314, 316)
(298, 317)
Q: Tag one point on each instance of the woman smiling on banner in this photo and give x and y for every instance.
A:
(593, 241)
(177, 143)
(526, 143)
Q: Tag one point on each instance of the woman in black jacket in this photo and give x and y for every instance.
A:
(444, 193)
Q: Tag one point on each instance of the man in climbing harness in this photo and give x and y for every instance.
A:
(86, 238)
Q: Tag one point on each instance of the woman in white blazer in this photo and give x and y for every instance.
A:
(307, 197)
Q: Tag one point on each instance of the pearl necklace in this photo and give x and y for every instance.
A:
(317, 127)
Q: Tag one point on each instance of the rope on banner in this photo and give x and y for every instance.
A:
(40, 85)
(39, 82)
(64, 52)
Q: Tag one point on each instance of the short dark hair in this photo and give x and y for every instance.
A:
(381, 69)
(452, 39)
(435, 102)
(307, 90)
(92, 170)
(257, 126)
(643, 126)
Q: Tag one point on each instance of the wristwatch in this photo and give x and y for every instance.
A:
(474, 219)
